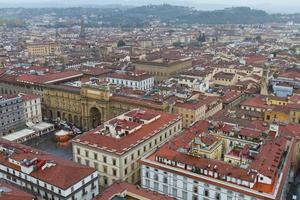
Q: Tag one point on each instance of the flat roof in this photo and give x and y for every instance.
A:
(19, 134)
(42, 126)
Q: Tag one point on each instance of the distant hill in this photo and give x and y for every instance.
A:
(125, 16)
(184, 15)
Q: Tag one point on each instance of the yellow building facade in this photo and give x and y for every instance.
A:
(207, 146)
(88, 107)
(163, 70)
(43, 49)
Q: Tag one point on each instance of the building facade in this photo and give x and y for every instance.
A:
(177, 171)
(45, 175)
(32, 107)
(90, 106)
(140, 81)
(198, 108)
(163, 70)
(115, 148)
(12, 113)
(43, 49)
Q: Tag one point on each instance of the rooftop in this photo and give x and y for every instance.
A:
(224, 75)
(133, 127)
(49, 78)
(268, 162)
(13, 192)
(130, 192)
(130, 76)
(41, 165)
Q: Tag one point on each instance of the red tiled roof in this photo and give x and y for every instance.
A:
(230, 96)
(292, 74)
(266, 162)
(63, 175)
(123, 187)
(208, 139)
(133, 77)
(224, 75)
(13, 192)
(121, 145)
(27, 97)
(96, 71)
(48, 78)
(252, 133)
(255, 58)
(256, 102)
(269, 157)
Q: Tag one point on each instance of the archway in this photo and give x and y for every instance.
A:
(76, 121)
(95, 117)
(58, 115)
(50, 115)
(70, 118)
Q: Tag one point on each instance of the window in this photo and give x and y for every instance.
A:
(229, 192)
(96, 165)
(241, 195)
(114, 162)
(206, 193)
(156, 177)
(155, 186)
(104, 159)
(195, 189)
(165, 189)
(174, 192)
(86, 154)
(195, 197)
(165, 180)
(184, 195)
(125, 171)
(105, 180)
(185, 186)
(132, 156)
(125, 161)
(95, 156)
(147, 183)
(218, 196)
(147, 174)
(174, 181)
(114, 172)
(104, 169)
(87, 162)
(78, 151)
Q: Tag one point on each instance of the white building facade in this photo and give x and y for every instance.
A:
(141, 82)
(33, 175)
(32, 107)
(182, 187)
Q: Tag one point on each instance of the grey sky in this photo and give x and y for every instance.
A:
(287, 6)
(237, 2)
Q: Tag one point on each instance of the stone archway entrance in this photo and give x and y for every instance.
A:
(58, 115)
(50, 114)
(95, 117)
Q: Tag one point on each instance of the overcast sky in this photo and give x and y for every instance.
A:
(238, 2)
(268, 5)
